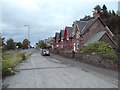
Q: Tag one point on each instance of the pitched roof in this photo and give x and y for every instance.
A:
(61, 34)
(90, 23)
(95, 38)
(81, 25)
(57, 35)
(69, 29)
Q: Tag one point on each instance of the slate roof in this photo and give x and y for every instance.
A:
(61, 34)
(81, 25)
(95, 38)
(70, 30)
(90, 23)
(57, 35)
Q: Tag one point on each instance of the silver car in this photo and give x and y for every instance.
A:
(45, 51)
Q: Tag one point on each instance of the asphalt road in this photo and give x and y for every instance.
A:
(48, 72)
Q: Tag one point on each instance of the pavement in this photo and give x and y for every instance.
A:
(50, 72)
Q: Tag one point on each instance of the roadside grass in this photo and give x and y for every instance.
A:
(10, 61)
(9, 51)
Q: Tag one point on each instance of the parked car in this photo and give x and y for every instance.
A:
(45, 51)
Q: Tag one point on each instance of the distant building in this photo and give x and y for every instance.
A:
(56, 40)
(49, 41)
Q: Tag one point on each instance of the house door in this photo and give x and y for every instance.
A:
(76, 46)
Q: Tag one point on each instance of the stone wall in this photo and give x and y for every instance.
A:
(96, 59)
(91, 58)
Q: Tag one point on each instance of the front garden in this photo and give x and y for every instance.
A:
(98, 53)
(103, 49)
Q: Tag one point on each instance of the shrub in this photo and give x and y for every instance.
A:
(109, 55)
(104, 47)
(105, 50)
(97, 47)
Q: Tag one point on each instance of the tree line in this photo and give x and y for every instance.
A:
(103, 11)
(41, 44)
(10, 44)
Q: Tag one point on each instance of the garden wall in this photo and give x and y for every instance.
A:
(91, 58)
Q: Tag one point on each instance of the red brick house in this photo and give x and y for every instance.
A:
(67, 37)
(85, 32)
(77, 29)
(56, 41)
(61, 38)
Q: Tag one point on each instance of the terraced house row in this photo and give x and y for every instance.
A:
(82, 33)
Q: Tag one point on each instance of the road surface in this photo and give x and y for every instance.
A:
(48, 72)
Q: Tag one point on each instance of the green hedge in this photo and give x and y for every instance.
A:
(105, 50)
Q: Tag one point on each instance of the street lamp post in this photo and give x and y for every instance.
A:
(28, 26)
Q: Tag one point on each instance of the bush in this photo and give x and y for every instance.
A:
(105, 50)
(97, 47)
(109, 55)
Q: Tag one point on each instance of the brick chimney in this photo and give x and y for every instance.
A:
(96, 14)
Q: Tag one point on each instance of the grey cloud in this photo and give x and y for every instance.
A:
(45, 17)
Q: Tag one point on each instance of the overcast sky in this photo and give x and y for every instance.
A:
(45, 17)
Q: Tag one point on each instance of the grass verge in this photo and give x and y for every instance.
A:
(9, 62)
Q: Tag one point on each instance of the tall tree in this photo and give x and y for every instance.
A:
(104, 9)
(26, 43)
(19, 44)
(97, 8)
(2, 43)
(104, 12)
(113, 12)
(110, 12)
(10, 44)
(41, 44)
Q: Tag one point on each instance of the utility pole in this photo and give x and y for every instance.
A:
(28, 26)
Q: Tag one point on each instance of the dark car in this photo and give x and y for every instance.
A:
(45, 51)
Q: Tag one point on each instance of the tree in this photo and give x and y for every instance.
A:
(104, 12)
(86, 18)
(113, 12)
(26, 43)
(19, 44)
(109, 12)
(104, 9)
(2, 43)
(97, 8)
(41, 44)
(10, 44)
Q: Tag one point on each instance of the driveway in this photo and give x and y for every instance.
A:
(48, 72)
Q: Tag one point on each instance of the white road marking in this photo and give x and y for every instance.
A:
(55, 60)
